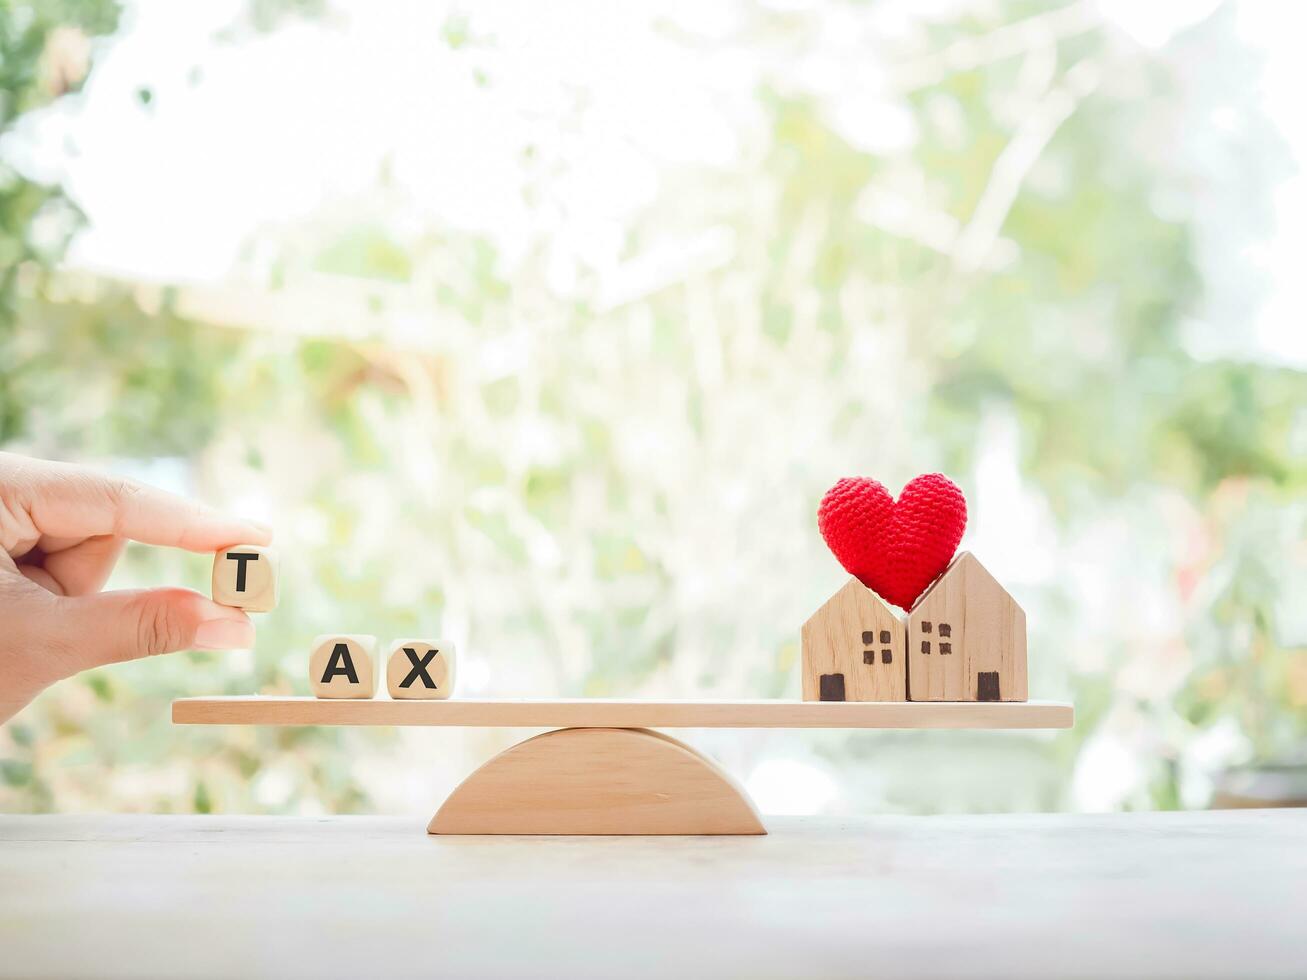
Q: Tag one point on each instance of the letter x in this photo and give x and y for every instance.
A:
(419, 668)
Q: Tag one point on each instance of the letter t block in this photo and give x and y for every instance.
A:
(245, 576)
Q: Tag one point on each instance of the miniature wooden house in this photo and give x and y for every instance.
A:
(966, 638)
(853, 649)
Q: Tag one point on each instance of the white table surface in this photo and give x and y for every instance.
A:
(1136, 895)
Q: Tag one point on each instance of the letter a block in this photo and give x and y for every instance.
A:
(420, 670)
(343, 666)
(245, 576)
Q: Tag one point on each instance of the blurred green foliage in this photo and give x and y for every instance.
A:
(577, 489)
(41, 60)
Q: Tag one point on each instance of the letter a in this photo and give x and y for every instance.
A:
(340, 663)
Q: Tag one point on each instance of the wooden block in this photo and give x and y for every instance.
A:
(245, 576)
(619, 713)
(420, 670)
(598, 781)
(343, 666)
(853, 649)
(966, 638)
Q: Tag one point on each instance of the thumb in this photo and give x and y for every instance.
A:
(109, 627)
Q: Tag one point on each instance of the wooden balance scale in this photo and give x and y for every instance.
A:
(602, 769)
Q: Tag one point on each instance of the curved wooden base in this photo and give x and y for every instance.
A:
(598, 781)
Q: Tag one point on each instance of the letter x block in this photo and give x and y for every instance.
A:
(245, 576)
(420, 669)
(343, 666)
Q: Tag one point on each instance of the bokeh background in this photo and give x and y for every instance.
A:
(543, 328)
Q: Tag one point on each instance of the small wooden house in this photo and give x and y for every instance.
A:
(853, 649)
(966, 638)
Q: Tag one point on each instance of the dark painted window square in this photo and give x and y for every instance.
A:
(946, 648)
(925, 626)
(884, 636)
(868, 656)
(925, 646)
(868, 637)
(945, 629)
(886, 657)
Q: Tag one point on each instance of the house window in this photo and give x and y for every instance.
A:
(886, 657)
(884, 636)
(945, 629)
(925, 626)
(925, 646)
(868, 638)
(868, 656)
(945, 648)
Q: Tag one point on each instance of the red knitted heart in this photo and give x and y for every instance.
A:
(895, 548)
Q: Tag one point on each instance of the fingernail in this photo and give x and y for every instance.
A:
(225, 634)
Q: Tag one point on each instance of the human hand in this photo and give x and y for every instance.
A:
(62, 528)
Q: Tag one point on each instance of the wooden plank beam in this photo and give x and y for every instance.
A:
(601, 713)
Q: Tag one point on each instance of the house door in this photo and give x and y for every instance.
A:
(831, 687)
(987, 686)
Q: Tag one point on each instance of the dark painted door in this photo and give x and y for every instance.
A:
(832, 687)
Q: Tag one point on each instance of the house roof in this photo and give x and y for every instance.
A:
(855, 589)
(963, 561)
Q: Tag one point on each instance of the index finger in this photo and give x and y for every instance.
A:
(70, 501)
